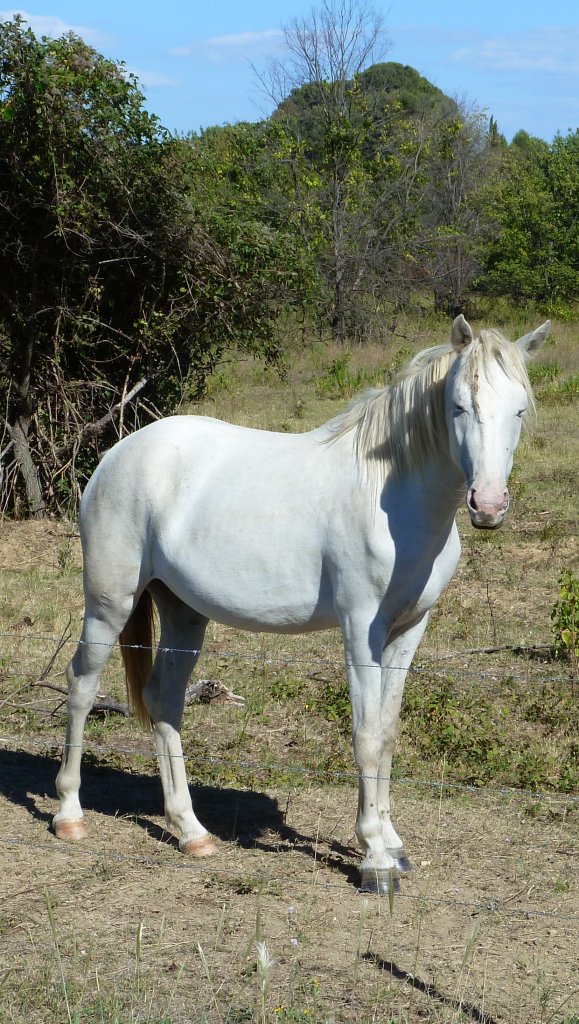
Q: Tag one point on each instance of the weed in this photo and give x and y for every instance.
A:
(570, 387)
(339, 381)
(265, 964)
(286, 688)
(333, 702)
(542, 373)
(292, 1015)
(565, 620)
(480, 736)
(551, 387)
(58, 954)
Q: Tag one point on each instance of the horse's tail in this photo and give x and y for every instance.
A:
(136, 642)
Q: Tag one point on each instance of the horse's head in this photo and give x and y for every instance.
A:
(487, 395)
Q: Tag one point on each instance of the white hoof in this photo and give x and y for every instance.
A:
(70, 830)
(202, 847)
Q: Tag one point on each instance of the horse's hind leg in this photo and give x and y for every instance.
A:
(100, 633)
(182, 634)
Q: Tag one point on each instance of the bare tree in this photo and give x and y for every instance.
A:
(333, 45)
(326, 51)
(461, 164)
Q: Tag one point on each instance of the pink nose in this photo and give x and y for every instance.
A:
(487, 509)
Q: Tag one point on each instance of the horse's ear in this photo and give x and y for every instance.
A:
(532, 342)
(461, 333)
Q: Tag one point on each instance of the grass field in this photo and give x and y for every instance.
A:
(123, 929)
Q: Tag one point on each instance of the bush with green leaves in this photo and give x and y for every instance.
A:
(116, 297)
(565, 619)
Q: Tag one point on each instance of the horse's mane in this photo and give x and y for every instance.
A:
(402, 427)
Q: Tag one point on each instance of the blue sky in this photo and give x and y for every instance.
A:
(518, 61)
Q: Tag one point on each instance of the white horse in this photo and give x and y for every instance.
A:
(349, 525)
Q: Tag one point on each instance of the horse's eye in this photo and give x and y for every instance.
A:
(521, 413)
(458, 409)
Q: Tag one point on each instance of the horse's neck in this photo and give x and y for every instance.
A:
(445, 485)
(438, 489)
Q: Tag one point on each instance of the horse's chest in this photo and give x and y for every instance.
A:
(417, 583)
(410, 574)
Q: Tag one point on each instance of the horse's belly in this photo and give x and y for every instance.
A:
(247, 591)
(263, 611)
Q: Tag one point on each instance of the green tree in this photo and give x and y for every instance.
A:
(461, 165)
(534, 252)
(114, 296)
(322, 110)
(359, 142)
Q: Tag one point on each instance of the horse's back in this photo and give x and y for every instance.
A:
(169, 464)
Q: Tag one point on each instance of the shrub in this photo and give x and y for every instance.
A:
(565, 619)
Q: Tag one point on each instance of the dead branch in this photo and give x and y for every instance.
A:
(210, 691)
(101, 704)
(64, 639)
(92, 430)
(205, 691)
(495, 649)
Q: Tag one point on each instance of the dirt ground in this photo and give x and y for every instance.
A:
(486, 928)
(122, 928)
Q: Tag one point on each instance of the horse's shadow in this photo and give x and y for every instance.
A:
(251, 819)
(467, 1010)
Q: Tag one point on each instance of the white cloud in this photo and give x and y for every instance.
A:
(230, 48)
(149, 79)
(49, 25)
(552, 49)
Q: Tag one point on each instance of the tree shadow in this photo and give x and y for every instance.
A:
(468, 1010)
(251, 819)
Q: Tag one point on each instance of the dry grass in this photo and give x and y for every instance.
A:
(486, 929)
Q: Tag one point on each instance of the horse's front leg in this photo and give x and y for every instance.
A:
(377, 671)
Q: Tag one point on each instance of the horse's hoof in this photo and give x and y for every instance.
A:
(203, 847)
(70, 831)
(379, 881)
(403, 865)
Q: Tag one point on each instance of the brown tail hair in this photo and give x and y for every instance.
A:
(136, 642)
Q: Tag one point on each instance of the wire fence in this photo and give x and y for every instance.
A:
(285, 661)
(287, 769)
(426, 958)
(331, 662)
(268, 880)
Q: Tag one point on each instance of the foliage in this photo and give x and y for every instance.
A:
(534, 252)
(111, 281)
(354, 154)
(565, 619)
(337, 380)
(233, 179)
(132, 260)
(461, 169)
(472, 733)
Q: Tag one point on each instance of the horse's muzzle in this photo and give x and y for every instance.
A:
(487, 512)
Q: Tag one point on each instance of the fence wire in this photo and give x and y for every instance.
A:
(285, 661)
(292, 768)
(266, 881)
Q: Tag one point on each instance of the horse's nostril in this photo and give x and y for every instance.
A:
(487, 503)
